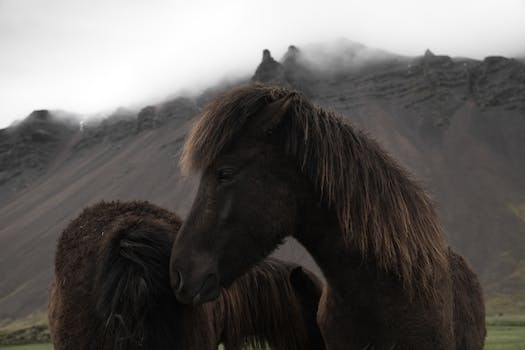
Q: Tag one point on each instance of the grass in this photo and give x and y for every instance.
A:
(28, 347)
(519, 210)
(38, 318)
(31, 329)
(38, 347)
(506, 320)
(504, 333)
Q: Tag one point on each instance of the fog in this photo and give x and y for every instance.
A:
(94, 56)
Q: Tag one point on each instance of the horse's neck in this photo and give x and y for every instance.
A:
(346, 270)
(321, 236)
(385, 216)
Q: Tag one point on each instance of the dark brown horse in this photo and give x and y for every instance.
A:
(469, 309)
(112, 291)
(273, 164)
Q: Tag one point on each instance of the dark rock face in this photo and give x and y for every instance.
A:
(27, 148)
(296, 71)
(499, 81)
(146, 118)
(120, 126)
(181, 108)
(269, 71)
(457, 124)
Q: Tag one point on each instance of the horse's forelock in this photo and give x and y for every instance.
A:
(221, 121)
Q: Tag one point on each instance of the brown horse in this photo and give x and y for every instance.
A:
(112, 291)
(469, 309)
(273, 164)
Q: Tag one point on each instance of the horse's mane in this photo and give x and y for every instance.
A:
(381, 211)
(261, 308)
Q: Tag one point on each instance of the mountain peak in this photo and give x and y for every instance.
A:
(267, 56)
(291, 54)
(269, 70)
(40, 114)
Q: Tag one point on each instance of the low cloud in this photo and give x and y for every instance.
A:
(93, 57)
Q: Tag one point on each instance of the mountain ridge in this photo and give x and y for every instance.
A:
(456, 123)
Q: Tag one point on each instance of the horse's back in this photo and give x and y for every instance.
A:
(469, 309)
(95, 268)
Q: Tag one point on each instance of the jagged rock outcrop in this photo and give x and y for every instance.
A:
(291, 71)
(151, 117)
(297, 73)
(269, 70)
(123, 123)
(179, 108)
(291, 57)
(146, 119)
(28, 147)
(106, 130)
(498, 81)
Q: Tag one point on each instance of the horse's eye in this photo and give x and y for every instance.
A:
(225, 174)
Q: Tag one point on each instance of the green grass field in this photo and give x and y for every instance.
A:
(503, 334)
(505, 338)
(29, 347)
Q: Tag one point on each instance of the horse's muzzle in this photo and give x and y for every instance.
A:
(199, 291)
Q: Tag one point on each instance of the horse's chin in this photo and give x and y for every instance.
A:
(201, 298)
(209, 290)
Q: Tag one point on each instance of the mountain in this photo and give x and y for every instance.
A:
(458, 124)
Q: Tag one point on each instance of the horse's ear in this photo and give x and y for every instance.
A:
(272, 114)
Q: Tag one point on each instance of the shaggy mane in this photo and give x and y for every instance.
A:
(381, 211)
(263, 303)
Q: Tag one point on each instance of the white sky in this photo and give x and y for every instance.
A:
(95, 55)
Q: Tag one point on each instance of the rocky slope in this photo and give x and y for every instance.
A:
(458, 124)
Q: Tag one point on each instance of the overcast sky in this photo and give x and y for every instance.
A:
(93, 56)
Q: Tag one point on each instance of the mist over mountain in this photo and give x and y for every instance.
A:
(458, 124)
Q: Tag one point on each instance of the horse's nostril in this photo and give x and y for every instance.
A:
(176, 281)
